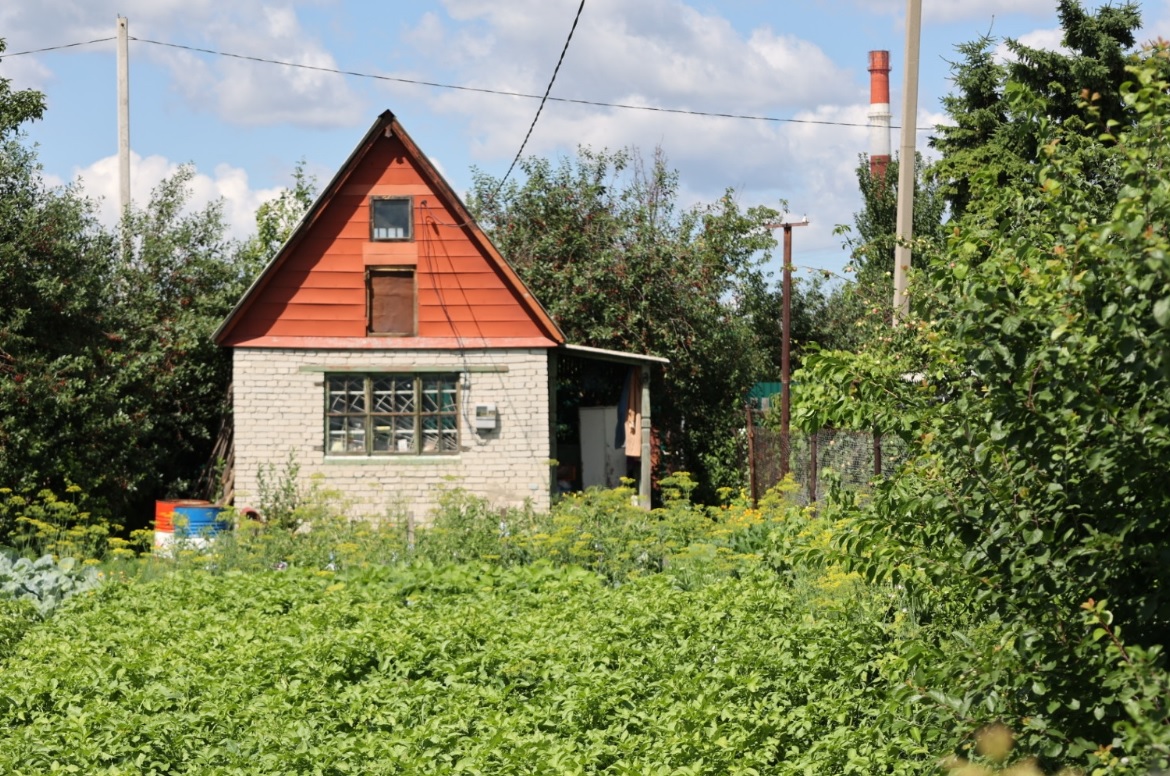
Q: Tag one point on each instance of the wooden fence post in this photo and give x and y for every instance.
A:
(812, 467)
(753, 486)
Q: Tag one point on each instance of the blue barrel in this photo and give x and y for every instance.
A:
(197, 521)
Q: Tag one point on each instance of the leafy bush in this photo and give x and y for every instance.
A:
(326, 539)
(17, 616)
(599, 530)
(604, 530)
(44, 523)
(1031, 387)
(280, 495)
(470, 668)
(467, 527)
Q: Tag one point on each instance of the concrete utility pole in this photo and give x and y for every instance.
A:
(906, 158)
(786, 340)
(124, 113)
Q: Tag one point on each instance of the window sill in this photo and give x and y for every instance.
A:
(382, 460)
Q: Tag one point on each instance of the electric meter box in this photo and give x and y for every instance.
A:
(486, 417)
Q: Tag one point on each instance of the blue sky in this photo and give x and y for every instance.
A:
(244, 124)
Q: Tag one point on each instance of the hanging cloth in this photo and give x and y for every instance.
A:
(632, 418)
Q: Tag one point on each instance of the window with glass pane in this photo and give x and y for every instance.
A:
(392, 414)
(346, 432)
(390, 219)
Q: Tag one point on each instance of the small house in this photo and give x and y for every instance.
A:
(391, 350)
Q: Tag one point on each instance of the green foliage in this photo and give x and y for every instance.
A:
(276, 220)
(108, 374)
(17, 617)
(469, 668)
(992, 143)
(858, 310)
(44, 523)
(17, 108)
(603, 531)
(55, 333)
(601, 242)
(112, 350)
(173, 289)
(1032, 390)
(874, 235)
(280, 495)
(467, 527)
(316, 533)
(45, 582)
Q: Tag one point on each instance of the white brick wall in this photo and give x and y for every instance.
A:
(280, 406)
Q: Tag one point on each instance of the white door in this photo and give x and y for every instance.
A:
(601, 463)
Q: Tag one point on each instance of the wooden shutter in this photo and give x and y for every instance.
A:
(392, 302)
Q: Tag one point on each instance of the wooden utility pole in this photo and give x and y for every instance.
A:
(906, 159)
(786, 341)
(124, 114)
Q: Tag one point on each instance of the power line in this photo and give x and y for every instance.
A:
(55, 48)
(479, 90)
(544, 99)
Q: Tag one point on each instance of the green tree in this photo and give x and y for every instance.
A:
(1032, 389)
(111, 379)
(171, 292)
(861, 308)
(276, 219)
(874, 234)
(604, 246)
(182, 276)
(108, 375)
(17, 107)
(55, 321)
(990, 143)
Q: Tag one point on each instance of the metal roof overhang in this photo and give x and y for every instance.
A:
(615, 356)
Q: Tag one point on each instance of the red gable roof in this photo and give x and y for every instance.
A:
(313, 293)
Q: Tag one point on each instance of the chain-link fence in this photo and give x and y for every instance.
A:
(854, 457)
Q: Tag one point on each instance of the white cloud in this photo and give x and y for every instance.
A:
(240, 92)
(666, 53)
(960, 10)
(1046, 39)
(252, 93)
(228, 185)
(655, 53)
(1156, 27)
(1050, 40)
(25, 73)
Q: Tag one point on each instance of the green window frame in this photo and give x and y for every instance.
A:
(392, 414)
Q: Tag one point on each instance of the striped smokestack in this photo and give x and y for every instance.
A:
(879, 112)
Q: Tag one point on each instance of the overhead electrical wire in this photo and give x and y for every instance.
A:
(543, 99)
(476, 89)
(56, 48)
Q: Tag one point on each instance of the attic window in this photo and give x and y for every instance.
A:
(391, 301)
(390, 218)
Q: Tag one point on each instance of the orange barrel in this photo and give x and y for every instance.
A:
(164, 512)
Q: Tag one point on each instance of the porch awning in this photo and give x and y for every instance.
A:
(617, 356)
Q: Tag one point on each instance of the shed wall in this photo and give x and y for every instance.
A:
(280, 404)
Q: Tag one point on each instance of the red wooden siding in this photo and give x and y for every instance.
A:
(318, 287)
